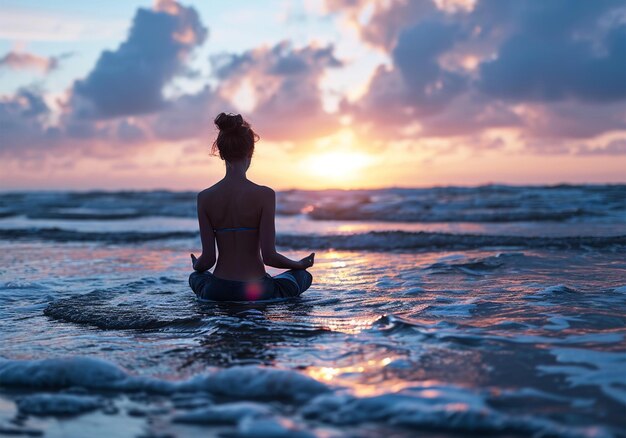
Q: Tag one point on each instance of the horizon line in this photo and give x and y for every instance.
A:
(391, 187)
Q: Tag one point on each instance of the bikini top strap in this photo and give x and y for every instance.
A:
(217, 230)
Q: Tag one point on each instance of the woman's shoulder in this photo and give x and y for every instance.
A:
(262, 190)
(206, 192)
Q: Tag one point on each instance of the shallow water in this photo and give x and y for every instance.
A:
(445, 328)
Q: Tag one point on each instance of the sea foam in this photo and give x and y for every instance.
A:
(241, 382)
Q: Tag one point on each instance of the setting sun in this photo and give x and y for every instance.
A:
(338, 165)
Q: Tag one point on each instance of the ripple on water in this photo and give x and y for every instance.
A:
(106, 311)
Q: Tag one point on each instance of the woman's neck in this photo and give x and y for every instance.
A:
(236, 170)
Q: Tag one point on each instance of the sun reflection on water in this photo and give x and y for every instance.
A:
(349, 326)
(365, 378)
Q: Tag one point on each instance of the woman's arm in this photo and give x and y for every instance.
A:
(267, 233)
(207, 236)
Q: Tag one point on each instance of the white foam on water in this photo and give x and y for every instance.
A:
(559, 322)
(244, 382)
(272, 427)
(440, 408)
(259, 383)
(83, 372)
(58, 404)
(552, 291)
(16, 285)
(433, 406)
(227, 413)
(400, 364)
(603, 369)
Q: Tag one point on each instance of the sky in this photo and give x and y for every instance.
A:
(343, 93)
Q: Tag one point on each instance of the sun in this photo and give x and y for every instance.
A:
(338, 166)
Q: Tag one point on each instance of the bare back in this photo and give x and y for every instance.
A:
(231, 205)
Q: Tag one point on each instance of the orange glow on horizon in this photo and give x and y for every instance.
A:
(347, 165)
(338, 166)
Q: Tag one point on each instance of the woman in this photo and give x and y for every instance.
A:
(239, 215)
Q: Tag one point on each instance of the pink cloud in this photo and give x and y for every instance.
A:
(28, 61)
(285, 84)
(553, 88)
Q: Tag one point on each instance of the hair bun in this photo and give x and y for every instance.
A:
(228, 122)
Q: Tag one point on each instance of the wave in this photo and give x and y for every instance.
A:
(475, 267)
(454, 410)
(426, 406)
(7, 213)
(93, 309)
(488, 204)
(61, 235)
(86, 215)
(397, 213)
(403, 240)
(374, 240)
(99, 205)
(58, 404)
(237, 382)
(121, 308)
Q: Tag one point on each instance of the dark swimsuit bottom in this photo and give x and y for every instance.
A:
(286, 285)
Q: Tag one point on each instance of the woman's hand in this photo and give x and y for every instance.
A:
(308, 261)
(193, 261)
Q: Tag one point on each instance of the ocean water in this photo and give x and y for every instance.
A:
(434, 312)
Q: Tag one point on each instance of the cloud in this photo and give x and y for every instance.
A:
(121, 104)
(545, 61)
(130, 79)
(614, 147)
(549, 70)
(115, 105)
(23, 118)
(571, 119)
(28, 61)
(386, 18)
(549, 74)
(190, 116)
(415, 55)
(284, 80)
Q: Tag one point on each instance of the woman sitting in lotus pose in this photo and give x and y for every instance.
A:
(239, 215)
